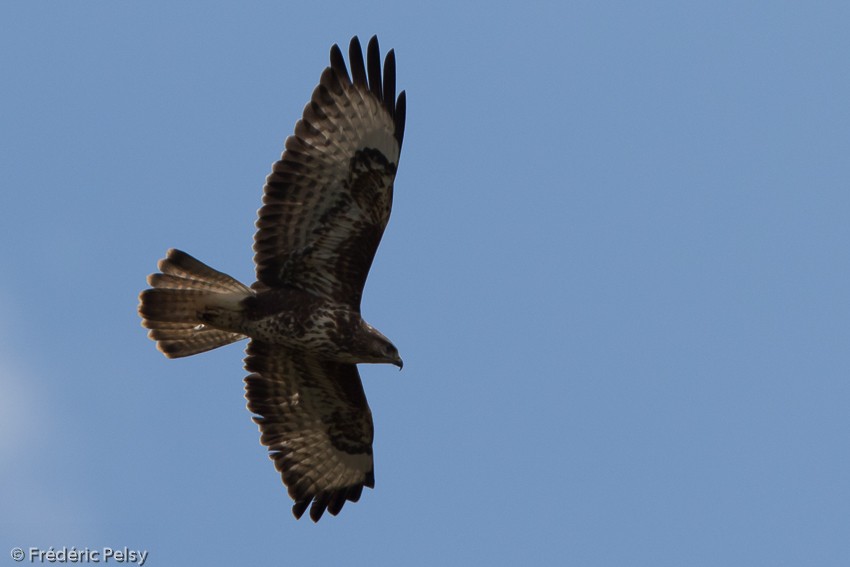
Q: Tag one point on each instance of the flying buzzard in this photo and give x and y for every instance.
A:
(326, 204)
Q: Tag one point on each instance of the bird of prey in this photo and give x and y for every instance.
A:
(326, 204)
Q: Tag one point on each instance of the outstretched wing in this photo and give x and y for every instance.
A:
(314, 419)
(327, 201)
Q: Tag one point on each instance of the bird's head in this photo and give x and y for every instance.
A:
(378, 348)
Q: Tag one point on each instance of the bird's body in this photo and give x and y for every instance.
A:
(325, 207)
(277, 317)
(298, 320)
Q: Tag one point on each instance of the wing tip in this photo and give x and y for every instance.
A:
(299, 508)
(338, 63)
(399, 116)
(331, 501)
(355, 60)
(371, 75)
(373, 62)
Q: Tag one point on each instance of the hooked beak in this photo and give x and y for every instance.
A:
(399, 362)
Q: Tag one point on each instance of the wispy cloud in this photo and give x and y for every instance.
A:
(32, 511)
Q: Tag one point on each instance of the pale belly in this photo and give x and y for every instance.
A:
(290, 319)
(319, 331)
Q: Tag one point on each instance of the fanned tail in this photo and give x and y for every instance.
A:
(173, 308)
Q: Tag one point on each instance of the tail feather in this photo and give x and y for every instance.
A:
(184, 267)
(172, 309)
(191, 340)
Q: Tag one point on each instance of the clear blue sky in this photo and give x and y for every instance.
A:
(617, 270)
